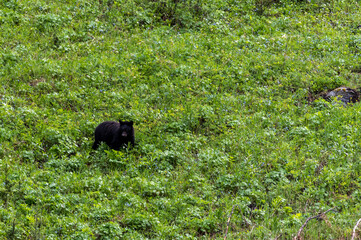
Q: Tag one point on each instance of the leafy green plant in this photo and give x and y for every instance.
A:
(223, 96)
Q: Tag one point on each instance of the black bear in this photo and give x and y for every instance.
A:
(114, 134)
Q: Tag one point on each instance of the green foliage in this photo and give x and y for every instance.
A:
(222, 95)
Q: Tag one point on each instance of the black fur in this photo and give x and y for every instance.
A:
(115, 134)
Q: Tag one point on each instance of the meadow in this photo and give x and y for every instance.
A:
(232, 138)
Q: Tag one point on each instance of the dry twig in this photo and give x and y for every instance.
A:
(278, 237)
(229, 220)
(354, 230)
(319, 216)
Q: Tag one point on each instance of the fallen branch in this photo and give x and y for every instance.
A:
(278, 237)
(229, 220)
(354, 230)
(319, 216)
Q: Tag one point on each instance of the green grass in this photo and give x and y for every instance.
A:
(219, 94)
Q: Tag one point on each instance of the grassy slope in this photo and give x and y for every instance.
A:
(219, 102)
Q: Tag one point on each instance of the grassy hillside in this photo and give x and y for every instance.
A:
(220, 93)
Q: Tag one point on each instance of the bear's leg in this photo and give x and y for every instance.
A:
(96, 145)
(115, 146)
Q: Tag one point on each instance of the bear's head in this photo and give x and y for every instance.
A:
(125, 129)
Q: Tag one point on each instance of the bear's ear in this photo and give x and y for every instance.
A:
(120, 121)
(130, 123)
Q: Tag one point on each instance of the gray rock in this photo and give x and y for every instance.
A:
(344, 94)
